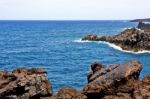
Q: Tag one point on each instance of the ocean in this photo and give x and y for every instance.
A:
(56, 46)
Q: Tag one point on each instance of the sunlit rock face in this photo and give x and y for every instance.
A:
(119, 81)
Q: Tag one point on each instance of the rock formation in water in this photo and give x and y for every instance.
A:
(120, 81)
(130, 39)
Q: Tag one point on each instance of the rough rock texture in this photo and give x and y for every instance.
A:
(69, 93)
(91, 37)
(130, 39)
(118, 81)
(24, 84)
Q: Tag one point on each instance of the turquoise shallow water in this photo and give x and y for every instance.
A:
(53, 45)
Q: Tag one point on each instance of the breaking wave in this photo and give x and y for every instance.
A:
(113, 46)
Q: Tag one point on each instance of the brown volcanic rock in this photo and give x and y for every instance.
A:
(90, 37)
(25, 84)
(67, 93)
(130, 39)
(70, 93)
(95, 67)
(142, 89)
(118, 81)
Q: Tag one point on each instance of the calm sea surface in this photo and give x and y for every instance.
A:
(52, 45)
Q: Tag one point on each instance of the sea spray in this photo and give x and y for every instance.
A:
(113, 46)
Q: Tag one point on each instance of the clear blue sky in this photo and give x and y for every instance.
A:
(73, 9)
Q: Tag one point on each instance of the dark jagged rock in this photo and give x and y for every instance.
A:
(118, 82)
(130, 39)
(24, 84)
(91, 37)
(97, 66)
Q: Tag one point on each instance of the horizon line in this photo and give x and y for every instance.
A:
(64, 20)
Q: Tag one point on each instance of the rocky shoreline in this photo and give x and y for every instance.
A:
(140, 20)
(119, 81)
(130, 39)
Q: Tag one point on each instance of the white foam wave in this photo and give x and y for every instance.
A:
(85, 41)
(113, 46)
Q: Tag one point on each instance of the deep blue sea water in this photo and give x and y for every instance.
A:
(52, 45)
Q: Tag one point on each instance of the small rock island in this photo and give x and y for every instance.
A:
(119, 81)
(134, 39)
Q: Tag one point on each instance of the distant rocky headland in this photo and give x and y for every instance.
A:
(141, 20)
(134, 39)
(119, 81)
